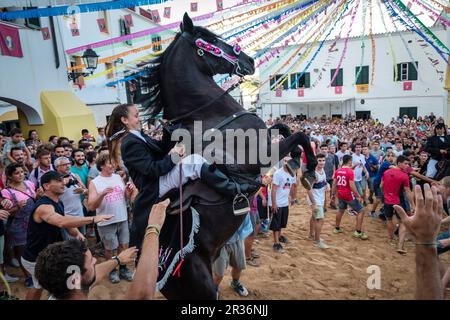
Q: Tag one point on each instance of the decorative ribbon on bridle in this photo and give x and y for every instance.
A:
(203, 46)
(216, 51)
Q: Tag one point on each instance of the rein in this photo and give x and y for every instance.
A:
(171, 121)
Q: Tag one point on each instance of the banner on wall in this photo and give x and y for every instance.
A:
(194, 6)
(102, 25)
(219, 5)
(155, 16)
(279, 92)
(301, 92)
(407, 86)
(74, 29)
(129, 20)
(338, 90)
(167, 12)
(45, 33)
(145, 13)
(10, 42)
(362, 88)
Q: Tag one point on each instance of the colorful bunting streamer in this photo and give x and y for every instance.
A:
(344, 51)
(322, 43)
(62, 10)
(422, 26)
(391, 47)
(363, 45)
(372, 44)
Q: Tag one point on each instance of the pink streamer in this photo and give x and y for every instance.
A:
(143, 32)
(435, 15)
(353, 12)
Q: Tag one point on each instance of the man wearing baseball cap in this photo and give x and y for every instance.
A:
(46, 222)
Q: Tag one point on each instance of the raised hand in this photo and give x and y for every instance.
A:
(158, 213)
(424, 225)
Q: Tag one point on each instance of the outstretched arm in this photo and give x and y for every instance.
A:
(143, 286)
(424, 226)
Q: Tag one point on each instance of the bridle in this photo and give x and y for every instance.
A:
(204, 46)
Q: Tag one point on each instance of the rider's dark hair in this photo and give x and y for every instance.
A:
(116, 130)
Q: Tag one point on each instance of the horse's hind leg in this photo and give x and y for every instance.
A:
(195, 282)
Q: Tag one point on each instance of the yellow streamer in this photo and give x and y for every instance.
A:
(305, 55)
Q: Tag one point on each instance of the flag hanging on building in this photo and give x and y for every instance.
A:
(10, 41)
(45, 33)
(219, 5)
(155, 16)
(145, 13)
(74, 29)
(102, 25)
(167, 12)
(279, 92)
(301, 92)
(194, 7)
(128, 19)
(407, 86)
(338, 90)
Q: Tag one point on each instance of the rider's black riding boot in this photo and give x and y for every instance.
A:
(214, 178)
(307, 179)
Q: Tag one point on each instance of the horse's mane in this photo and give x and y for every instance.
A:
(152, 105)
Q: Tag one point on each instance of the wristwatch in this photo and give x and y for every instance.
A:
(117, 259)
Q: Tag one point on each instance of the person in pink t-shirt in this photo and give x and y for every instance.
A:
(22, 194)
(345, 188)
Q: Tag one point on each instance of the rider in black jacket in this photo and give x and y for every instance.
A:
(152, 170)
(438, 146)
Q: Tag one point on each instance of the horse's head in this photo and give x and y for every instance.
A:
(215, 55)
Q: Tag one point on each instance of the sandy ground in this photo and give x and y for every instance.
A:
(306, 272)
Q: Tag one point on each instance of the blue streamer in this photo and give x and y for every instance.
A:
(416, 30)
(91, 7)
(129, 78)
(321, 45)
(290, 31)
(272, 18)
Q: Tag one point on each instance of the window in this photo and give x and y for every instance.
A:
(109, 66)
(406, 71)
(339, 80)
(363, 77)
(302, 82)
(274, 82)
(156, 41)
(33, 23)
(76, 61)
(411, 112)
(124, 30)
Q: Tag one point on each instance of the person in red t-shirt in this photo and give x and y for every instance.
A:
(395, 181)
(344, 186)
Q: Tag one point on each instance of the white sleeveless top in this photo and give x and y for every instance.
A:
(113, 203)
(319, 189)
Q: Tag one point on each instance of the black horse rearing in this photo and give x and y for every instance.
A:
(184, 89)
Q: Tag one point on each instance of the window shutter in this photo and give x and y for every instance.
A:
(412, 71)
(293, 78)
(307, 80)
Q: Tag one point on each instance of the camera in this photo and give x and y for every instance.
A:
(72, 181)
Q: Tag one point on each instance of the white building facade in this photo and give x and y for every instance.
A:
(379, 96)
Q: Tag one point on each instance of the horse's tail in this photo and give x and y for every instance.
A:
(282, 129)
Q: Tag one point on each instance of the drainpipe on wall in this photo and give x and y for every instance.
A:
(54, 42)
